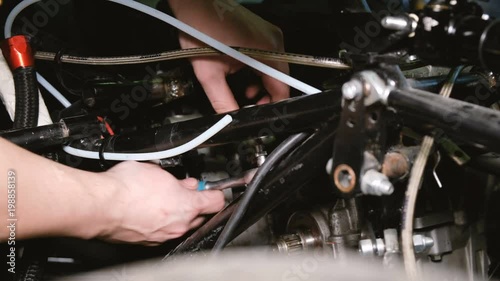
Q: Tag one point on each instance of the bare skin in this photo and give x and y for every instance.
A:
(234, 25)
(132, 202)
(136, 202)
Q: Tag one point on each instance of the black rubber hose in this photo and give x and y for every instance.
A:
(26, 98)
(473, 124)
(32, 269)
(271, 161)
(308, 161)
(65, 130)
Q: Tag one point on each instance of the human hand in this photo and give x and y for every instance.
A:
(235, 26)
(151, 206)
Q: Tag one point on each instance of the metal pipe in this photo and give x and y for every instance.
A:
(307, 162)
(282, 118)
(228, 183)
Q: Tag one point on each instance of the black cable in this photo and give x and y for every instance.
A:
(271, 161)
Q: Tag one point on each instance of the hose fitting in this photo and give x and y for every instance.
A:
(17, 51)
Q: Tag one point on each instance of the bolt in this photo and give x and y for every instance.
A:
(376, 183)
(422, 243)
(395, 23)
(352, 89)
(367, 248)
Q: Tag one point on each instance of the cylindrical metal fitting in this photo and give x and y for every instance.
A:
(368, 248)
(376, 183)
(396, 23)
(352, 89)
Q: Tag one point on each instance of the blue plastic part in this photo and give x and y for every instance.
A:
(201, 185)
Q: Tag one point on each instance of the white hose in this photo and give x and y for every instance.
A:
(53, 91)
(154, 155)
(292, 82)
(8, 33)
(13, 15)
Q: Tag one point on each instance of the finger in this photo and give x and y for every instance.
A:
(190, 183)
(220, 95)
(264, 100)
(252, 91)
(277, 89)
(207, 202)
(213, 81)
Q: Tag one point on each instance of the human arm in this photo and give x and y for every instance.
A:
(132, 202)
(233, 25)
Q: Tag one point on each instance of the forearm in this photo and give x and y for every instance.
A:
(52, 199)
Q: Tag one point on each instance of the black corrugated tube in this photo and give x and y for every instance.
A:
(19, 55)
(26, 98)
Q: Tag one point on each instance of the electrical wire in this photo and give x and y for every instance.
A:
(301, 59)
(414, 184)
(150, 156)
(106, 124)
(272, 160)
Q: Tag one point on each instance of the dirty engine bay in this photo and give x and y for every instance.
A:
(389, 147)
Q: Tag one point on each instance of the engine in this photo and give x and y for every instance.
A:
(392, 154)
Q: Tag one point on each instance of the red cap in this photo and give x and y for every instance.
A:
(17, 52)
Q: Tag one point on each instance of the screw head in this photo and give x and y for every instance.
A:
(352, 89)
(421, 243)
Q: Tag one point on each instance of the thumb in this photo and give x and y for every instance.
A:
(190, 183)
(207, 202)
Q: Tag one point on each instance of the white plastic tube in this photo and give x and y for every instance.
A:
(155, 155)
(292, 82)
(55, 93)
(13, 15)
(8, 33)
